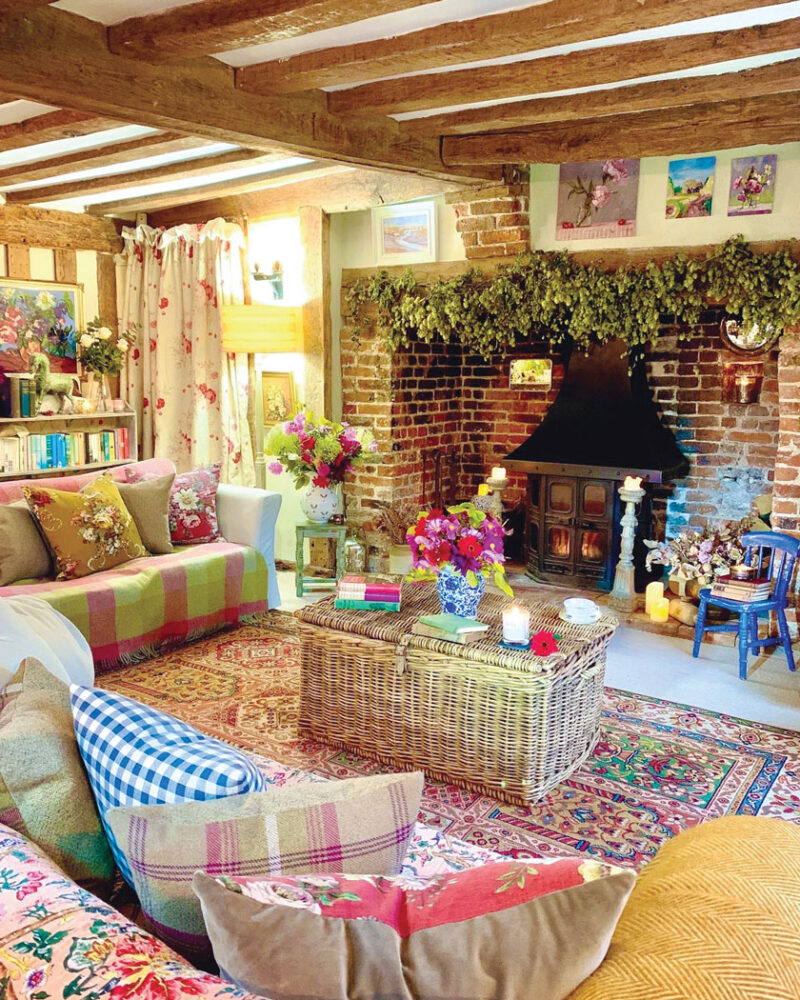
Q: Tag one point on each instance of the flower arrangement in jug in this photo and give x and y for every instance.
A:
(461, 539)
(319, 452)
(102, 350)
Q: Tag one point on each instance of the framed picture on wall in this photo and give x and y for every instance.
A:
(531, 373)
(278, 399)
(405, 234)
(39, 316)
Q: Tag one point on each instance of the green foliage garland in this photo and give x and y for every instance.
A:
(552, 296)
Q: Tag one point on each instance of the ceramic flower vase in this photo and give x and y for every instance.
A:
(456, 595)
(318, 503)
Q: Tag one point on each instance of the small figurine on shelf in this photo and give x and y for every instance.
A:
(52, 390)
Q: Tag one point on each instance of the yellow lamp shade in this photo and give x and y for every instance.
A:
(262, 329)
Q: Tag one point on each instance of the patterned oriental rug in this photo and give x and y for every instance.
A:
(659, 768)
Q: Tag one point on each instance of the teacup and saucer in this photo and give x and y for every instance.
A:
(580, 611)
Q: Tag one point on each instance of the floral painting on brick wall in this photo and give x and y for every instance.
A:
(597, 199)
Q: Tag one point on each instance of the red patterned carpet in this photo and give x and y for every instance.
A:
(658, 769)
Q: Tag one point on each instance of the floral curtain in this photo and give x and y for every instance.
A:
(191, 396)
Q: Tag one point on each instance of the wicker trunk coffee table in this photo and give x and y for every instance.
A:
(503, 722)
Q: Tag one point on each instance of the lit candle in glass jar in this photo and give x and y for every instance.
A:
(660, 611)
(516, 625)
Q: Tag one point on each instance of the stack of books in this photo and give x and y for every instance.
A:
(757, 589)
(373, 592)
(22, 394)
(451, 628)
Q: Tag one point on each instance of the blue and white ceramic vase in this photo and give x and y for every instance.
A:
(456, 595)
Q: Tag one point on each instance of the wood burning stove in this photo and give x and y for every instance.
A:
(602, 426)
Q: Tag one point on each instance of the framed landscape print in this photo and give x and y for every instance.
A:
(405, 234)
(690, 187)
(597, 199)
(752, 190)
(531, 373)
(277, 396)
(39, 316)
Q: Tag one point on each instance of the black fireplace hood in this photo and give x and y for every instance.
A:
(603, 418)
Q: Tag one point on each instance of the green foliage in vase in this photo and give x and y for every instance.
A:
(553, 296)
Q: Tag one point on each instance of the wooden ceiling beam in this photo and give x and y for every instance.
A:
(21, 225)
(128, 207)
(559, 22)
(152, 175)
(154, 144)
(609, 64)
(195, 96)
(52, 125)
(779, 78)
(347, 190)
(221, 25)
(692, 129)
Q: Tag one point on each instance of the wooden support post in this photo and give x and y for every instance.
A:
(315, 236)
(19, 261)
(66, 266)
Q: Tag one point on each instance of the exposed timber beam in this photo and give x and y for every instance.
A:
(779, 78)
(692, 129)
(183, 170)
(99, 156)
(609, 64)
(220, 25)
(194, 96)
(559, 22)
(21, 225)
(128, 207)
(346, 190)
(50, 126)
(9, 7)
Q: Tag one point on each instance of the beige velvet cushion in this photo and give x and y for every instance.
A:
(44, 790)
(23, 553)
(148, 503)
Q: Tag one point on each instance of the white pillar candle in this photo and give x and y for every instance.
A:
(660, 611)
(498, 472)
(516, 625)
(633, 483)
(653, 592)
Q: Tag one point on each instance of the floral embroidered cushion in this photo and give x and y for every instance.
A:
(44, 791)
(136, 755)
(87, 531)
(511, 929)
(59, 942)
(358, 825)
(193, 506)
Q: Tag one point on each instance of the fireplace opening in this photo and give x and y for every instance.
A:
(602, 426)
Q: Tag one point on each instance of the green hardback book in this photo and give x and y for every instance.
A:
(454, 624)
(352, 604)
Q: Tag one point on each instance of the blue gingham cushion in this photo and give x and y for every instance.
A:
(135, 755)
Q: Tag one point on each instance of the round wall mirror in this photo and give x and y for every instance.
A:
(746, 339)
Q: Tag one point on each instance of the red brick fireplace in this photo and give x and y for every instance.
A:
(435, 405)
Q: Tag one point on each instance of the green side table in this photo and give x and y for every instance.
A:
(306, 530)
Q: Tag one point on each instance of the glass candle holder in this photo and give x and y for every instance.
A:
(516, 625)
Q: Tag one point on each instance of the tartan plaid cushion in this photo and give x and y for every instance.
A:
(135, 755)
(357, 826)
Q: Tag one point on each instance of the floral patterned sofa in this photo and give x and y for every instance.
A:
(135, 607)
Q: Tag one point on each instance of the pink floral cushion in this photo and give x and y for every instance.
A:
(58, 941)
(193, 506)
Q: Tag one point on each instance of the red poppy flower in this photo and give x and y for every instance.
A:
(544, 643)
(419, 530)
(469, 546)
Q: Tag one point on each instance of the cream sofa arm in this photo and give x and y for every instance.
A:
(247, 516)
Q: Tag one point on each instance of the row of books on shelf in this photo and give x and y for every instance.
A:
(23, 397)
(25, 452)
(753, 589)
(374, 592)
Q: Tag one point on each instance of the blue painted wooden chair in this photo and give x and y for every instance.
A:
(773, 554)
